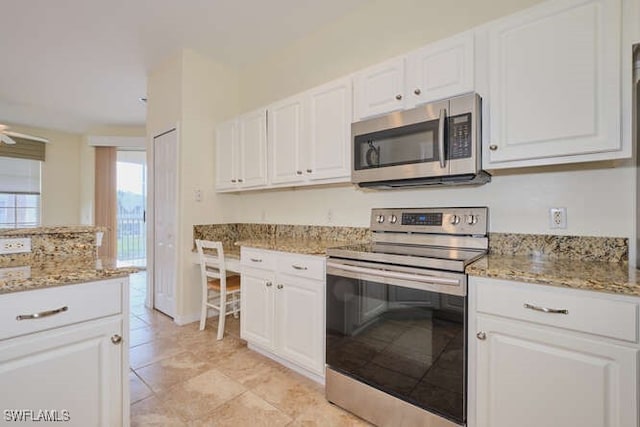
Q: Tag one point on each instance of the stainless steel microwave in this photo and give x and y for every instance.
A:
(435, 143)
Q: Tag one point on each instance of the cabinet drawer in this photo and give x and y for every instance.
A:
(592, 315)
(257, 258)
(82, 301)
(311, 267)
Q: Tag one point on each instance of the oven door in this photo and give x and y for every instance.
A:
(400, 330)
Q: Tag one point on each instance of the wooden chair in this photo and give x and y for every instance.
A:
(217, 286)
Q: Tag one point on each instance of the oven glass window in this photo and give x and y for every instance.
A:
(417, 143)
(407, 342)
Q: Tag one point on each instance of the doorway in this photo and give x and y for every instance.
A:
(131, 171)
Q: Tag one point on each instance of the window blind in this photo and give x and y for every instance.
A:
(23, 149)
(19, 176)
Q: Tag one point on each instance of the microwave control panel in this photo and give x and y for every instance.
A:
(460, 136)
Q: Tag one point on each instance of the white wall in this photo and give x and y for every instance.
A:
(599, 200)
(194, 93)
(61, 176)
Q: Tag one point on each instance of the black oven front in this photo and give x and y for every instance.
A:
(401, 331)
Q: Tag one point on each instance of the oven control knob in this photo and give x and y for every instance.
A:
(393, 219)
(455, 219)
(472, 219)
(380, 219)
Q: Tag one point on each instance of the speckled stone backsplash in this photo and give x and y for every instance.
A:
(229, 233)
(583, 248)
(48, 243)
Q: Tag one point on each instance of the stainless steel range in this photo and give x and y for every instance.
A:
(397, 317)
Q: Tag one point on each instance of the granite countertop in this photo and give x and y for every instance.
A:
(58, 272)
(588, 275)
(297, 246)
(63, 229)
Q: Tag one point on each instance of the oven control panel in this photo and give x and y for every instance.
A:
(462, 221)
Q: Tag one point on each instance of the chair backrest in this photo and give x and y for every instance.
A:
(211, 257)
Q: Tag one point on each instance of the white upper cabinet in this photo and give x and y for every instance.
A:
(252, 134)
(554, 85)
(286, 138)
(440, 70)
(227, 155)
(379, 89)
(437, 71)
(310, 134)
(329, 128)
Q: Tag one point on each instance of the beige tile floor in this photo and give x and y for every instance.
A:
(181, 376)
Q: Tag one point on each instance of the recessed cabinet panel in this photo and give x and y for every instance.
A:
(379, 89)
(257, 307)
(440, 70)
(533, 377)
(226, 155)
(329, 119)
(555, 82)
(253, 149)
(286, 132)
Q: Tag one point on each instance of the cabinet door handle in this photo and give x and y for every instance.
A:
(255, 259)
(280, 286)
(417, 91)
(269, 284)
(481, 335)
(298, 172)
(546, 310)
(233, 180)
(240, 180)
(299, 267)
(42, 314)
(116, 339)
(398, 97)
(309, 170)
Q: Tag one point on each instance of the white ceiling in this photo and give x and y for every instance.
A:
(76, 64)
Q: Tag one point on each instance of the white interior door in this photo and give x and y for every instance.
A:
(165, 260)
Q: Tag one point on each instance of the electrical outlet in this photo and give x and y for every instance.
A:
(198, 195)
(558, 218)
(15, 246)
(15, 273)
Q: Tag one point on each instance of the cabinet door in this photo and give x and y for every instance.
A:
(256, 306)
(379, 89)
(226, 155)
(329, 123)
(253, 149)
(440, 70)
(555, 83)
(76, 369)
(286, 139)
(300, 321)
(530, 376)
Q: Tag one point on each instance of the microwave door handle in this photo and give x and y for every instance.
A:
(441, 122)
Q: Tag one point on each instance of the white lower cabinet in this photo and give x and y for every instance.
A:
(535, 368)
(283, 312)
(75, 371)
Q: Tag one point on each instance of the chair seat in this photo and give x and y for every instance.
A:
(233, 284)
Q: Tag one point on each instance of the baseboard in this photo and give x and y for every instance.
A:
(193, 317)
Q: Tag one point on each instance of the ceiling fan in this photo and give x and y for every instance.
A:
(6, 136)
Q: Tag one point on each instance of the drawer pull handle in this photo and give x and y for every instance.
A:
(42, 314)
(545, 309)
(255, 260)
(299, 267)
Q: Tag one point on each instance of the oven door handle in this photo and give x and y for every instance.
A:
(396, 275)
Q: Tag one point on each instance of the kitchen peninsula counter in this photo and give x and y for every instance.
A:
(38, 274)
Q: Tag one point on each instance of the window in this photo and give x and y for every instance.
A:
(19, 193)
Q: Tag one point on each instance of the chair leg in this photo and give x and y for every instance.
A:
(236, 305)
(222, 315)
(203, 311)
